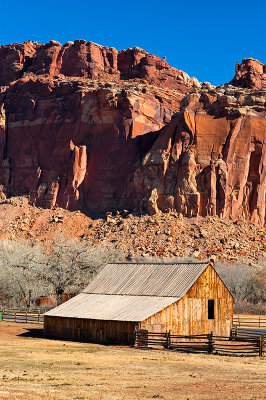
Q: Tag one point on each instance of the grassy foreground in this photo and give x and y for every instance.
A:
(36, 368)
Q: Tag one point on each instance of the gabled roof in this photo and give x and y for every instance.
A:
(162, 280)
(111, 307)
(131, 291)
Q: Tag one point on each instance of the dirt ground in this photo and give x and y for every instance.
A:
(32, 367)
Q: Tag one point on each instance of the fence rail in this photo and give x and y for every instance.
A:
(36, 310)
(247, 332)
(247, 322)
(232, 345)
(22, 316)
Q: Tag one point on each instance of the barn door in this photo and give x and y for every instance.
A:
(100, 335)
(78, 329)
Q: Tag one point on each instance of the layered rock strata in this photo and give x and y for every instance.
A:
(74, 143)
(87, 60)
(210, 159)
(83, 126)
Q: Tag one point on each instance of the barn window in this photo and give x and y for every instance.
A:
(210, 309)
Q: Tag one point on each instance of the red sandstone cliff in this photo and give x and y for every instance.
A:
(85, 126)
(210, 159)
(250, 74)
(58, 134)
(87, 60)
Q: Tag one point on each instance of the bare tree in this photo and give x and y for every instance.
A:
(235, 276)
(20, 263)
(247, 284)
(28, 270)
(256, 286)
(70, 264)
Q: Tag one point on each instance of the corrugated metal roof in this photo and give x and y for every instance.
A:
(163, 280)
(111, 307)
(131, 291)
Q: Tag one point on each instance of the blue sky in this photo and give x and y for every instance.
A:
(203, 38)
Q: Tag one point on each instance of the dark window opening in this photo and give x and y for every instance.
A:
(210, 309)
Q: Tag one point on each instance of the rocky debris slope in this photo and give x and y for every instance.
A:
(161, 235)
(86, 127)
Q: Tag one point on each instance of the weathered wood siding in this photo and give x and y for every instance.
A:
(189, 315)
(89, 330)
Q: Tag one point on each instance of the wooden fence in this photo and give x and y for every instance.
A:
(208, 343)
(22, 316)
(239, 332)
(249, 322)
(23, 310)
(244, 339)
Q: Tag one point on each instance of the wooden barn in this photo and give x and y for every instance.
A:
(187, 298)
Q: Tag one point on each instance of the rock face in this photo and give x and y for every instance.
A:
(85, 126)
(57, 134)
(250, 74)
(210, 159)
(87, 60)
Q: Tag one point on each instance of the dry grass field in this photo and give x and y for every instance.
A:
(37, 368)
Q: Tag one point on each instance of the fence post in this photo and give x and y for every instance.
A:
(38, 317)
(261, 343)
(210, 342)
(165, 345)
(135, 336)
(259, 322)
(259, 340)
(167, 340)
(15, 316)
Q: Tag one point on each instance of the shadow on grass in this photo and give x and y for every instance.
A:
(38, 333)
(33, 333)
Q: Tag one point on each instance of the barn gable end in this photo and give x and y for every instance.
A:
(189, 315)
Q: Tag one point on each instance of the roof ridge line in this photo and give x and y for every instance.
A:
(124, 294)
(159, 263)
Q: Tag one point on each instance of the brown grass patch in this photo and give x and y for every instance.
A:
(38, 368)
